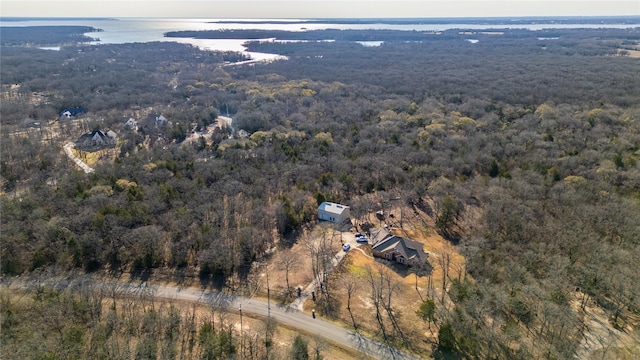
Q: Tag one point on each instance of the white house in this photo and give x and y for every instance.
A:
(333, 212)
(132, 123)
(161, 120)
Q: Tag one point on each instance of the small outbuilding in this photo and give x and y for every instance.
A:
(333, 212)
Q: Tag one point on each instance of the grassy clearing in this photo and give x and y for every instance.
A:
(408, 292)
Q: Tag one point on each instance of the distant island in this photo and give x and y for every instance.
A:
(380, 34)
(631, 20)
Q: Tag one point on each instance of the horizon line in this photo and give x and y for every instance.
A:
(333, 17)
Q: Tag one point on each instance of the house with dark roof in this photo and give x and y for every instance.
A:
(396, 248)
(72, 112)
(96, 140)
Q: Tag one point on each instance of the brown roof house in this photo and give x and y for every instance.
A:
(397, 248)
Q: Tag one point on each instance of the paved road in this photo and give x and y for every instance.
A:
(291, 317)
(288, 315)
(85, 167)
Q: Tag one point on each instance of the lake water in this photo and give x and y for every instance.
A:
(132, 30)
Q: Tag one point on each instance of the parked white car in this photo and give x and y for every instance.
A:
(346, 247)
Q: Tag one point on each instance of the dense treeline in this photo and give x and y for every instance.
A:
(44, 35)
(523, 71)
(402, 35)
(631, 20)
(527, 149)
(105, 78)
(309, 35)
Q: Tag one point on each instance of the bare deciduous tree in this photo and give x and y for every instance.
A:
(444, 260)
(288, 263)
(351, 285)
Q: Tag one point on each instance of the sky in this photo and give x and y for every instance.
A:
(315, 8)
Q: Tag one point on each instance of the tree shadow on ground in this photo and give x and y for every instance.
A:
(183, 277)
(243, 273)
(453, 237)
(445, 355)
(141, 274)
(213, 280)
(404, 271)
(289, 239)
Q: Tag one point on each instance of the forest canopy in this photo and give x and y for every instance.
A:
(525, 146)
(45, 35)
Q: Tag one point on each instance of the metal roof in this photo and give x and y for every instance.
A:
(332, 208)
